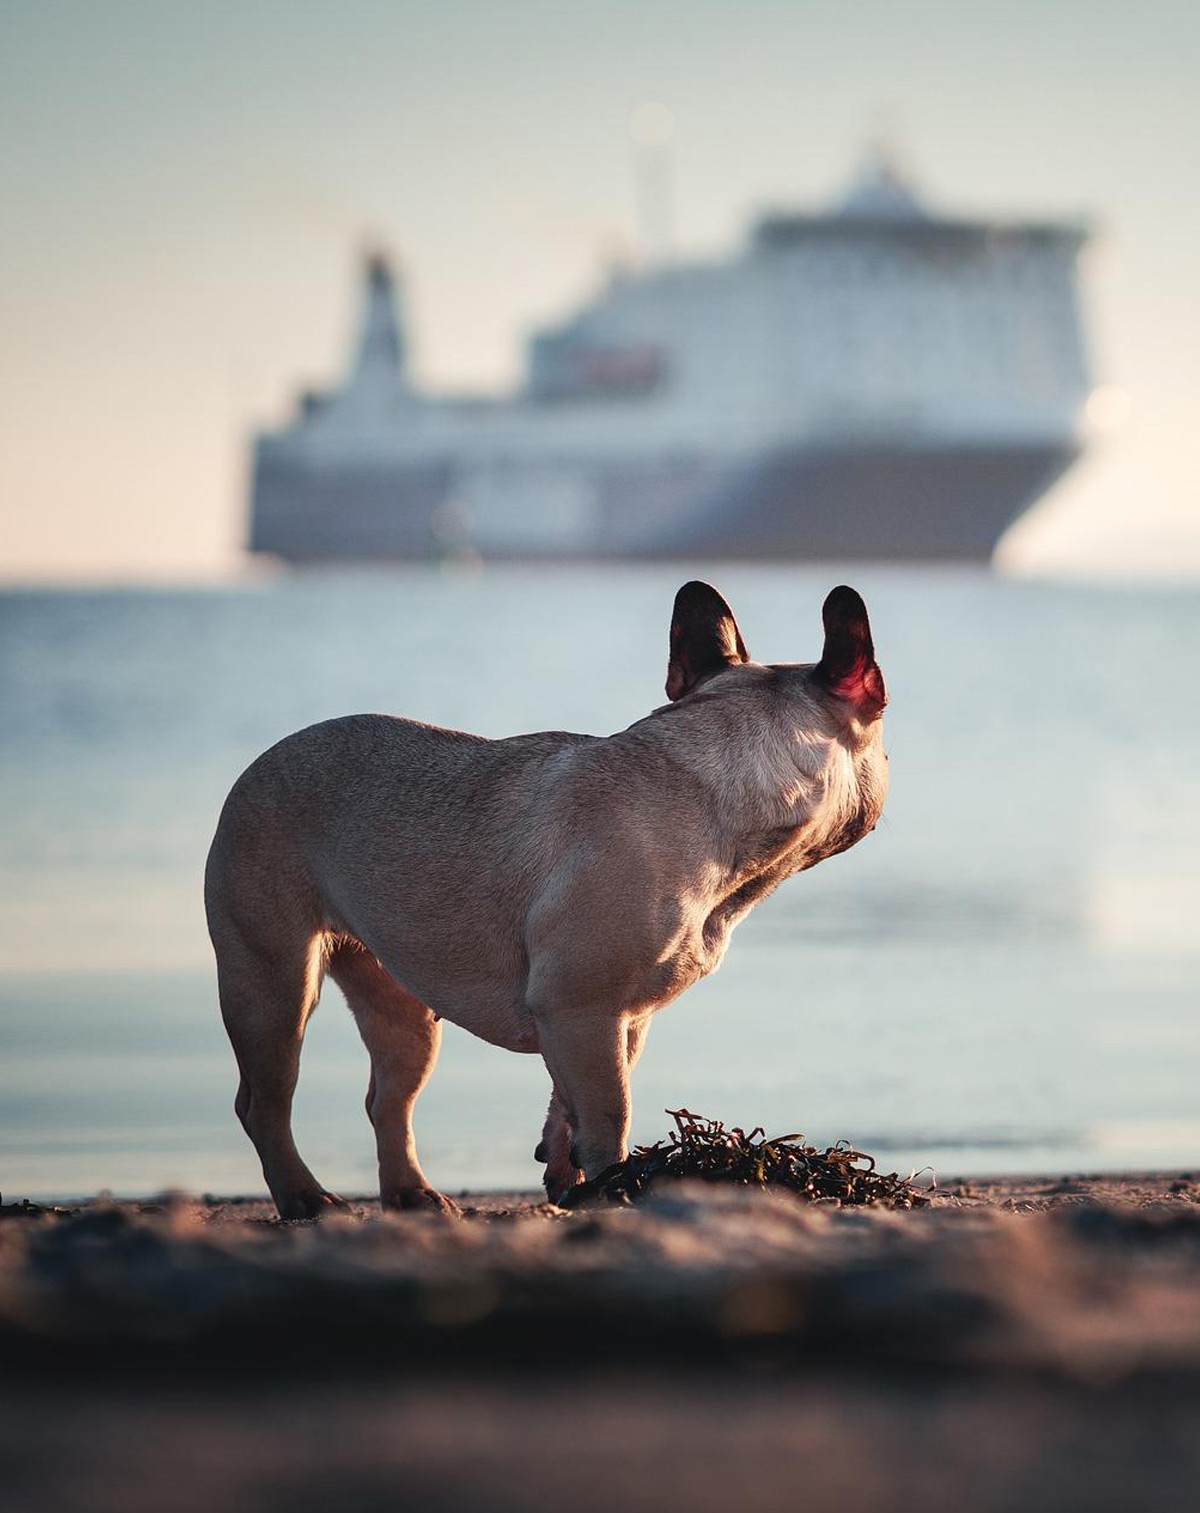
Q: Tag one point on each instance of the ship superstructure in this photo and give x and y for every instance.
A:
(870, 382)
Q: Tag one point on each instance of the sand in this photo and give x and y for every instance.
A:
(1014, 1344)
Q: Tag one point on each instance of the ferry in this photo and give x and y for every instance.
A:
(870, 381)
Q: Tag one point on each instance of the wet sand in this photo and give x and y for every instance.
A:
(1014, 1344)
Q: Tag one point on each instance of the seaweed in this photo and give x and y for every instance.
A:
(704, 1149)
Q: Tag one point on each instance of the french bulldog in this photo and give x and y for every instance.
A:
(548, 892)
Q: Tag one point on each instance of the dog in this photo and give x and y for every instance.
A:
(546, 892)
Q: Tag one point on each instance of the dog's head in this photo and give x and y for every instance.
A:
(796, 747)
(846, 682)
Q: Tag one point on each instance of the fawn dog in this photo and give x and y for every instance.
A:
(547, 892)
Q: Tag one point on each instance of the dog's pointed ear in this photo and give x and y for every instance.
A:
(848, 668)
(705, 638)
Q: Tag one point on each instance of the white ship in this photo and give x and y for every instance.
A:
(875, 381)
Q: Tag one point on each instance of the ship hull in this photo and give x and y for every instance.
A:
(868, 502)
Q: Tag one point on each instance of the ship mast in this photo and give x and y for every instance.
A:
(882, 189)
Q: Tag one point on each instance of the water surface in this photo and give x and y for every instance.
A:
(999, 978)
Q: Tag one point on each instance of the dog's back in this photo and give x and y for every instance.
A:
(407, 837)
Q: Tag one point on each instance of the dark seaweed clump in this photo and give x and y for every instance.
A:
(704, 1149)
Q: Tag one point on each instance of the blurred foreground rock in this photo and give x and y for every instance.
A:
(1011, 1345)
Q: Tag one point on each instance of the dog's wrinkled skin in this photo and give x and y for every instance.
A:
(547, 892)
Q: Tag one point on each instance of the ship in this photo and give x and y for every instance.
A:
(871, 381)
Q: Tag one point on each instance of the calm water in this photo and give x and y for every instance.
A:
(1000, 978)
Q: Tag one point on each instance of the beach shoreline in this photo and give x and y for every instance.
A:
(1038, 1190)
(1012, 1342)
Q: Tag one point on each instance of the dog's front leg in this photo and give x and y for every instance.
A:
(555, 1149)
(586, 1053)
(557, 1143)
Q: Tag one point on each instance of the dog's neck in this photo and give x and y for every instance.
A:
(761, 777)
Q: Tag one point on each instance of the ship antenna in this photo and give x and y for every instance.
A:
(652, 132)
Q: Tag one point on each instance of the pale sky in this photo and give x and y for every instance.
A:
(184, 190)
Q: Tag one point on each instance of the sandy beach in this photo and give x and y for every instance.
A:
(1013, 1343)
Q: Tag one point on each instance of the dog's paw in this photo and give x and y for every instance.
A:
(311, 1205)
(422, 1198)
(560, 1182)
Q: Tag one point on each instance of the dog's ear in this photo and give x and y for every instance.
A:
(848, 668)
(705, 638)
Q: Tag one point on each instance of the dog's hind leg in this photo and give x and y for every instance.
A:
(266, 1000)
(402, 1038)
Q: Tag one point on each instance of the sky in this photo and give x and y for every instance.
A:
(185, 192)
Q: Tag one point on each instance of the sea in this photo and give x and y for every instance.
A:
(1002, 978)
